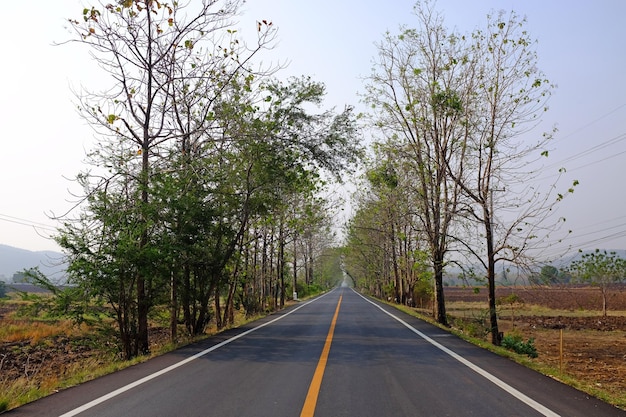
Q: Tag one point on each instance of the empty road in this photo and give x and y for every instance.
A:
(338, 355)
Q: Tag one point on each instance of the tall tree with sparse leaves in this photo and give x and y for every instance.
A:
(420, 82)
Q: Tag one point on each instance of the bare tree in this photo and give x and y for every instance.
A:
(512, 212)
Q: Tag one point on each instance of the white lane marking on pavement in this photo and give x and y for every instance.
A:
(147, 378)
(506, 387)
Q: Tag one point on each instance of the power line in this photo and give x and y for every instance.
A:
(598, 161)
(592, 122)
(25, 222)
(598, 147)
(589, 151)
(596, 232)
(594, 225)
(607, 238)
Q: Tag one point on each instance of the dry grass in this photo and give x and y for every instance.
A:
(41, 382)
(13, 330)
(474, 308)
(26, 338)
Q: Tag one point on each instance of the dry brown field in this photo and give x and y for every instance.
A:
(593, 347)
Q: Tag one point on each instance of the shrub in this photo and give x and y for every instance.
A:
(515, 343)
(475, 326)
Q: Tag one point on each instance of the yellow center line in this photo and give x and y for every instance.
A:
(311, 398)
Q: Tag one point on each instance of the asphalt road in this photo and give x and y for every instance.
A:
(338, 355)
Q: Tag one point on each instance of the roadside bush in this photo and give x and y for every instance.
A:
(475, 326)
(515, 343)
(308, 290)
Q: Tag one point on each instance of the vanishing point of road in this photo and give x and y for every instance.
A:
(340, 354)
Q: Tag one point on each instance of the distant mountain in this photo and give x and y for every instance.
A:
(14, 260)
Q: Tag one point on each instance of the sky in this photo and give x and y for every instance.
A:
(582, 49)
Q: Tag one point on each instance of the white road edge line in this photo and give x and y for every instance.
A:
(147, 378)
(506, 387)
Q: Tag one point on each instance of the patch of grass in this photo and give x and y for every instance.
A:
(475, 326)
(473, 308)
(26, 389)
(33, 331)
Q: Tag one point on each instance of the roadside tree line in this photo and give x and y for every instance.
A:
(452, 179)
(202, 194)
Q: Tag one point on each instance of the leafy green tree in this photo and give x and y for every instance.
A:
(63, 301)
(384, 251)
(549, 275)
(384, 183)
(286, 147)
(365, 259)
(328, 272)
(104, 259)
(193, 148)
(3, 289)
(601, 269)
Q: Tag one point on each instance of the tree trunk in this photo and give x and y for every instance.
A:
(265, 284)
(295, 266)
(280, 267)
(309, 259)
(142, 300)
(228, 317)
(440, 304)
(173, 307)
(218, 309)
(186, 298)
(496, 338)
(142, 317)
(394, 263)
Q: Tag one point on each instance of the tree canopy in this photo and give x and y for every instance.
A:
(599, 268)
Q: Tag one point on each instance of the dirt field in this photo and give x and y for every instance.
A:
(594, 347)
(559, 298)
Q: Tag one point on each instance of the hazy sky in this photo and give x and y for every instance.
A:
(582, 48)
